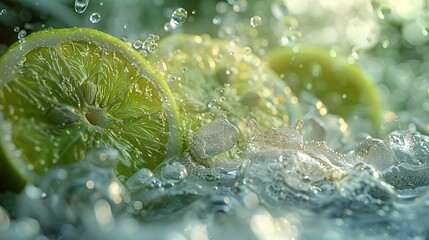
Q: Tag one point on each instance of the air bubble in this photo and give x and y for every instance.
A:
(3, 11)
(95, 17)
(255, 21)
(22, 33)
(138, 45)
(80, 5)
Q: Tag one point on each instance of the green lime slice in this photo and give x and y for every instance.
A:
(66, 91)
(344, 88)
(214, 79)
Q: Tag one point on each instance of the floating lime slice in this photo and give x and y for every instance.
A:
(344, 88)
(66, 91)
(213, 79)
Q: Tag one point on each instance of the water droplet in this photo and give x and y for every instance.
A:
(95, 17)
(255, 21)
(178, 17)
(80, 5)
(22, 33)
(16, 29)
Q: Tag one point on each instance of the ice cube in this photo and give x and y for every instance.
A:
(276, 138)
(284, 176)
(376, 153)
(361, 193)
(174, 172)
(213, 139)
(411, 150)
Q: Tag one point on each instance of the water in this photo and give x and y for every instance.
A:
(273, 194)
(325, 179)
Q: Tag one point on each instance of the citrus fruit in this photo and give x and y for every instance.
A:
(214, 79)
(344, 88)
(66, 91)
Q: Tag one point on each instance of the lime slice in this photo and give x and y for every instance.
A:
(66, 91)
(213, 79)
(343, 87)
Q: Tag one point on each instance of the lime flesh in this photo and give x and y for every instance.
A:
(66, 91)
